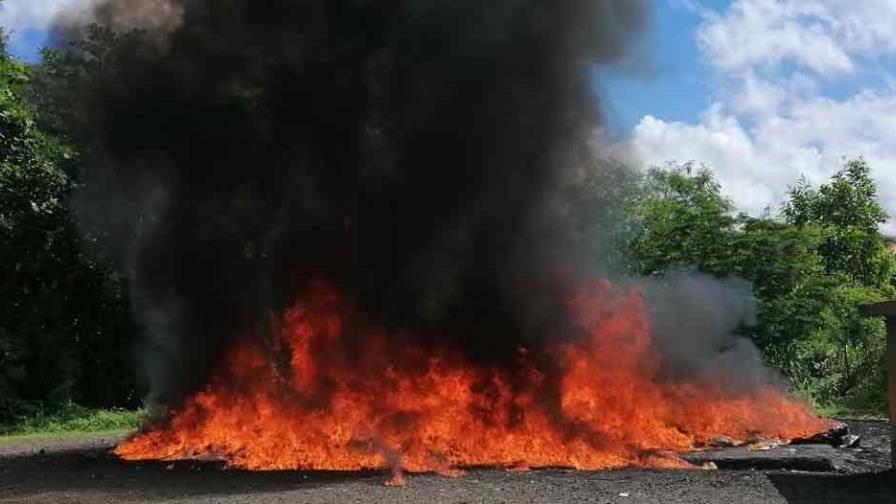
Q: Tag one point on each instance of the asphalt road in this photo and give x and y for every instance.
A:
(82, 471)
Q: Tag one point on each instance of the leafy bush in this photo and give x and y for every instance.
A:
(811, 268)
(64, 318)
(73, 418)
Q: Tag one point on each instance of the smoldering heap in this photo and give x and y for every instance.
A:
(399, 167)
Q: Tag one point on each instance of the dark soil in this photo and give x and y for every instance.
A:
(84, 471)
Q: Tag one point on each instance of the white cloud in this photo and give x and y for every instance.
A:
(771, 122)
(823, 35)
(766, 32)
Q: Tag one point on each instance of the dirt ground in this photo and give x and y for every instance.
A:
(82, 470)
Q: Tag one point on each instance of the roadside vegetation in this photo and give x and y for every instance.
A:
(73, 419)
(812, 263)
(67, 337)
(66, 334)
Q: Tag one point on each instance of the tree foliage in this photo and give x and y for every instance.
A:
(810, 270)
(847, 214)
(684, 222)
(64, 318)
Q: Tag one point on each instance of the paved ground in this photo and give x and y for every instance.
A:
(71, 472)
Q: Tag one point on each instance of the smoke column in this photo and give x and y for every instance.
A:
(411, 152)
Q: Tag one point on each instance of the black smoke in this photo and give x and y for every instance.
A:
(404, 150)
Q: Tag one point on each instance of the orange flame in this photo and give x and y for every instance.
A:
(396, 405)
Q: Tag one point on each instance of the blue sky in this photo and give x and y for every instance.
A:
(27, 42)
(675, 84)
(678, 83)
(760, 91)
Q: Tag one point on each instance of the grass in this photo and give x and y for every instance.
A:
(867, 406)
(847, 411)
(73, 420)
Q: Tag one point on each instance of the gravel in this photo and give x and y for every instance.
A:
(82, 470)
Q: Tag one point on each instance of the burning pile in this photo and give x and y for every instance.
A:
(391, 403)
(424, 172)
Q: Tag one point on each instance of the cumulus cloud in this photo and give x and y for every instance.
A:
(824, 35)
(762, 32)
(772, 121)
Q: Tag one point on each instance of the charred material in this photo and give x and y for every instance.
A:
(837, 436)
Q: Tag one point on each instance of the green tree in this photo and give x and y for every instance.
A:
(848, 214)
(64, 321)
(684, 222)
(810, 270)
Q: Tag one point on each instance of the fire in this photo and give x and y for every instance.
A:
(602, 403)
